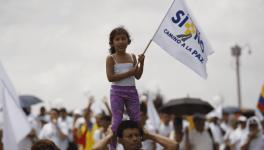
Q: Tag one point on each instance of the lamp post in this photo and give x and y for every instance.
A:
(236, 52)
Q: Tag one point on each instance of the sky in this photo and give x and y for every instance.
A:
(56, 50)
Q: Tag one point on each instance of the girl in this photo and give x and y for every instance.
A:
(122, 68)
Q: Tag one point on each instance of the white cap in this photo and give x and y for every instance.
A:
(77, 112)
(242, 118)
(212, 114)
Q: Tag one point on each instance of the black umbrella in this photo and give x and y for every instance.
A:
(186, 106)
(28, 100)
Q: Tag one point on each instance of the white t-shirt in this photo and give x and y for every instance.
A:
(200, 140)
(148, 144)
(98, 135)
(50, 131)
(164, 130)
(233, 136)
(69, 122)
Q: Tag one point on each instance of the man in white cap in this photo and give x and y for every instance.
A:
(215, 128)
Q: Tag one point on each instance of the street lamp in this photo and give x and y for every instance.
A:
(236, 52)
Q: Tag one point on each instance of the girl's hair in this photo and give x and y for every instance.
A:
(114, 32)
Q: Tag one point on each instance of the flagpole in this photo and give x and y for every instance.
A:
(157, 29)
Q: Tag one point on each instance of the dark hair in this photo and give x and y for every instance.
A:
(44, 145)
(128, 124)
(55, 109)
(177, 122)
(106, 118)
(63, 109)
(114, 32)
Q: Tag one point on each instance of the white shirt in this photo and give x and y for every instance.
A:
(200, 140)
(50, 131)
(69, 122)
(98, 135)
(233, 136)
(165, 130)
(217, 133)
(148, 144)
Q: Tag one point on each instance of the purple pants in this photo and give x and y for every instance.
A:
(121, 96)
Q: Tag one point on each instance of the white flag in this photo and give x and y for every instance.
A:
(179, 35)
(152, 113)
(15, 125)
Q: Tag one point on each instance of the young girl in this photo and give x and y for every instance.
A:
(122, 68)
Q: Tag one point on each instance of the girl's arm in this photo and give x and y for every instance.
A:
(141, 59)
(111, 76)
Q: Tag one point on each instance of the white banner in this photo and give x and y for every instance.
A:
(15, 125)
(180, 36)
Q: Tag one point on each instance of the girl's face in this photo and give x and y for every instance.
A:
(120, 42)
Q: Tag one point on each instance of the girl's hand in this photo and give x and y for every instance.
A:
(141, 58)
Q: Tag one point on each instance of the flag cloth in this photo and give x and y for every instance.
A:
(180, 36)
(15, 125)
(152, 113)
(260, 104)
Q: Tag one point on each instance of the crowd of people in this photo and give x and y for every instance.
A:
(83, 130)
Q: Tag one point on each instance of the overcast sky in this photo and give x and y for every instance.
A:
(56, 50)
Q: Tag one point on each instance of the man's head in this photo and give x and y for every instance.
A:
(242, 120)
(44, 144)
(63, 113)
(253, 124)
(105, 121)
(54, 114)
(199, 121)
(130, 135)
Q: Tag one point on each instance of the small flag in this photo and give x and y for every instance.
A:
(179, 35)
(260, 104)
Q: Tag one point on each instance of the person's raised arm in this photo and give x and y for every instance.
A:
(167, 143)
(102, 144)
(111, 76)
(107, 106)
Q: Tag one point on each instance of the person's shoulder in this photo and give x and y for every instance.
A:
(110, 57)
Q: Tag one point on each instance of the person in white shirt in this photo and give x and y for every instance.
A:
(55, 131)
(216, 129)
(199, 138)
(100, 132)
(254, 139)
(146, 144)
(179, 132)
(231, 138)
(68, 120)
(166, 127)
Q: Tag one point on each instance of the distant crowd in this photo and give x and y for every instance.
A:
(82, 129)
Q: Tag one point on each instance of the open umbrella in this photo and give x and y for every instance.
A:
(28, 100)
(186, 106)
(231, 109)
